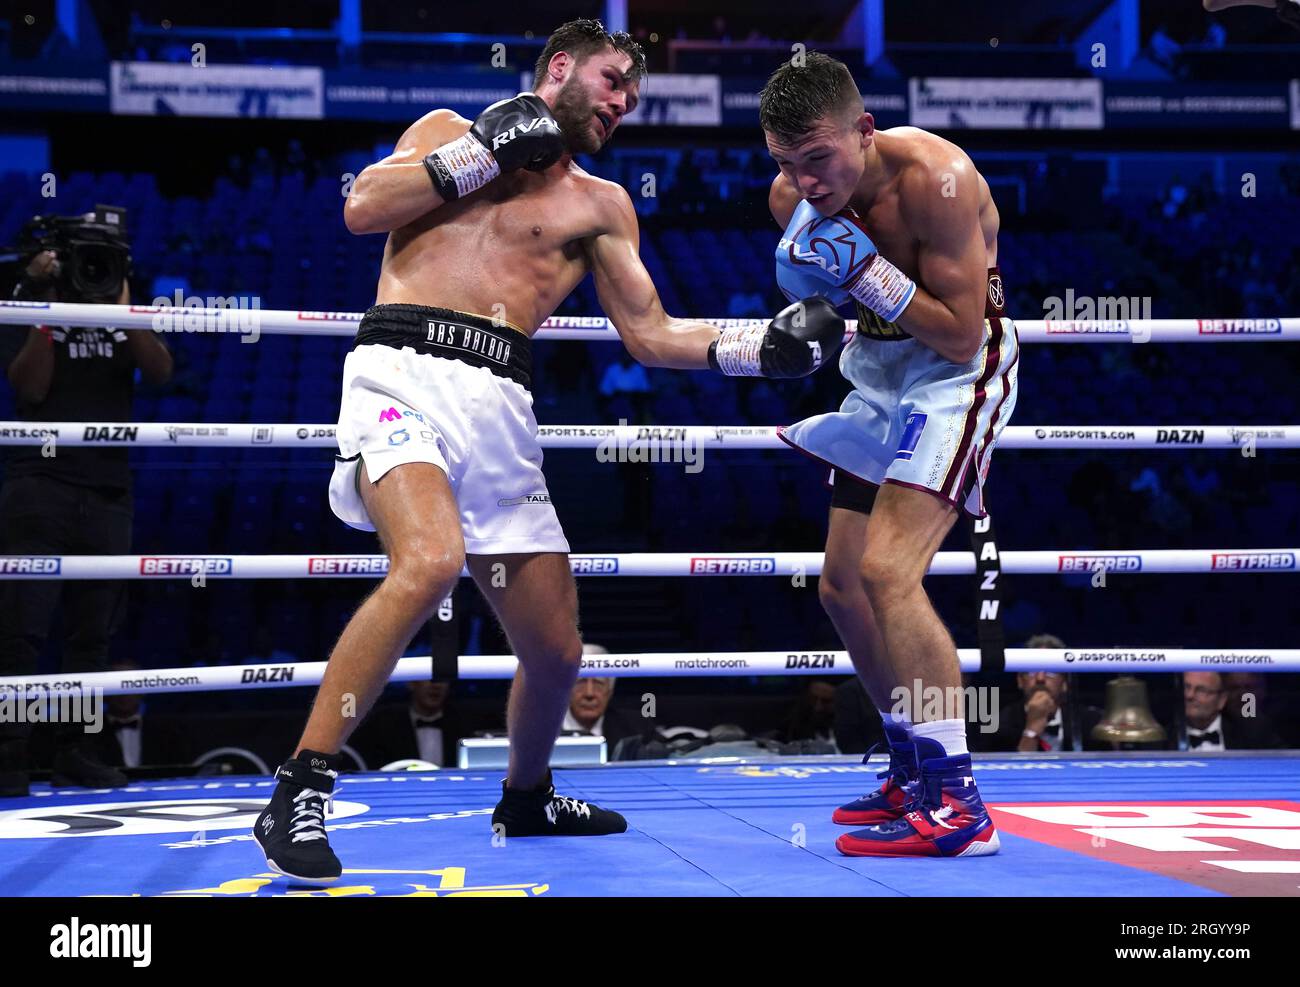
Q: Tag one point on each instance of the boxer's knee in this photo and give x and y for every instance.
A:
(840, 591)
(423, 574)
(886, 578)
(555, 656)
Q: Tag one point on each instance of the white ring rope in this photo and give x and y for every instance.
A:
(242, 315)
(662, 664)
(199, 568)
(640, 443)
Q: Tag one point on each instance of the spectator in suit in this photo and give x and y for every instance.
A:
(1041, 719)
(590, 712)
(423, 727)
(1213, 726)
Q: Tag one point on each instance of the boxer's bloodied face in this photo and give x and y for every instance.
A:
(596, 94)
(825, 163)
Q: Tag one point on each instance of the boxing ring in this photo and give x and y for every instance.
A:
(1165, 824)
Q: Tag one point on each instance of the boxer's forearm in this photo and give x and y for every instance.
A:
(938, 327)
(673, 344)
(386, 196)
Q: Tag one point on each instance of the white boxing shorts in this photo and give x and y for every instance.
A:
(432, 385)
(914, 418)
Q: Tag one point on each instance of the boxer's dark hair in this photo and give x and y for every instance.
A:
(586, 36)
(801, 91)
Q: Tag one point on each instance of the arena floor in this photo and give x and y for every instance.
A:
(1087, 825)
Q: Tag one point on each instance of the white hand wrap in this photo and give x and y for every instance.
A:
(738, 352)
(884, 289)
(469, 163)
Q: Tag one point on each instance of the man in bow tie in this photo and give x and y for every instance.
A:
(1214, 725)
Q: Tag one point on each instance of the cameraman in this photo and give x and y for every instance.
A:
(76, 501)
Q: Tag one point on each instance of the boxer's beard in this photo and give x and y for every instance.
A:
(576, 116)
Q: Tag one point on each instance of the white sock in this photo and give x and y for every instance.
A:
(950, 733)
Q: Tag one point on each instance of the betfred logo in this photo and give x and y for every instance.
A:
(336, 565)
(1093, 563)
(330, 316)
(35, 565)
(1234, 847)
(593, 565)
(160, 565)
(1239, 561)
(1238, 327)
(709, 566)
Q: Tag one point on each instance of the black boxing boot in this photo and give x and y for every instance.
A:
(291, 829)
(540, 812)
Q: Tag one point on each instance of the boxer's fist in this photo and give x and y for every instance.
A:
(833, 256)
(520, 133)
(801, 338)
(509, 135)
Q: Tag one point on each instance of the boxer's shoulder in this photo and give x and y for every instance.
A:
(433, 130)
(934, 174)
(611, 200)
(782, 200)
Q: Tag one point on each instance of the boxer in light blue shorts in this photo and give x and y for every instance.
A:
(900, 224)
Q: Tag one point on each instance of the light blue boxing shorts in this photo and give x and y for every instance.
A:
(914, 418)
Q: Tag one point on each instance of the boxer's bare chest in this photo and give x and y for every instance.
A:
(884, 223)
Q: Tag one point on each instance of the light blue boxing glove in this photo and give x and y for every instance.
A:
(832, 256)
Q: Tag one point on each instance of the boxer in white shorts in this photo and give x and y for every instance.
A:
(491, 224)
(901, 224)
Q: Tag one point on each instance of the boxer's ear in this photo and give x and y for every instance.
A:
(866, 126)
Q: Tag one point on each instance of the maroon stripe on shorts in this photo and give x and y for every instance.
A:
(991, 360)
(997, 412)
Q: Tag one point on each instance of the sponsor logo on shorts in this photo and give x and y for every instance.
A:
(179, 565)
(399, 438)
(820, 660)
(281, 673)
(1180, 436)
(996, 293)
(1092, 563)
(1233, 327)
(1252, 560)
(336, 565)
(712, 566)
(468, 338)
(526, 499)
(35, 565)
(593, 565)
(911, 435)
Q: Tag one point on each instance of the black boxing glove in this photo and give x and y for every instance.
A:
(801, 338)
(509, 135)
